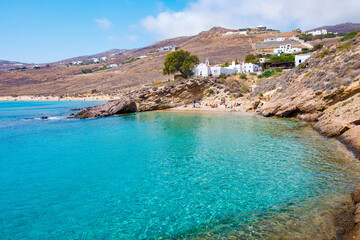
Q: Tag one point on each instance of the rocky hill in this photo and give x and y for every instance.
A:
(131, 73)
(325, 90)
(340, 28)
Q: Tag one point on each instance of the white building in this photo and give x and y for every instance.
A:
(113, 65)
(318, 32)
(234, 33)
(300, 59)
(168, 48)
(141, 57)
(286, 49)
(204, 69)
(95, 60)
(104, 59)
(275, 39)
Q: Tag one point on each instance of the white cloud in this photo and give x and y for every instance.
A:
(279, 14)
(103, 23)
(132, 38)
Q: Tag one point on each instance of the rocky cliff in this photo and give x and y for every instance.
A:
(325, 90)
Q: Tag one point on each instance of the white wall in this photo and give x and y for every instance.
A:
(300, 59)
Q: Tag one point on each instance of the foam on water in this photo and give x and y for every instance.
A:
(165, 175)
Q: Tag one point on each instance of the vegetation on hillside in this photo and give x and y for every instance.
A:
(309, 37)
(180, 61)
(349, 35)
(282, 58)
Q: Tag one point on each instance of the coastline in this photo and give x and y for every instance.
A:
(34, 98)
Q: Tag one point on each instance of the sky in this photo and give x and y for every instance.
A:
(41, 31)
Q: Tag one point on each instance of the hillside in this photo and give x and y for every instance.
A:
(324, 90)
(130, 74)
(339, 28)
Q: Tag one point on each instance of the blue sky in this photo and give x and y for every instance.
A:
(41, 31)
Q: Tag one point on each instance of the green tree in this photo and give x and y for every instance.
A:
(251, 58)
(226, 64)
(180, 61)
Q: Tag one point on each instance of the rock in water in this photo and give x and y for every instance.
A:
(122, 105)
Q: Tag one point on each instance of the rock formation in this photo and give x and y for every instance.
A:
(122, 105)
(324, 90)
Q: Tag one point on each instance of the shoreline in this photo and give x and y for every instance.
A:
(34, 98)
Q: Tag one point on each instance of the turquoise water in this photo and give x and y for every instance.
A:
(164, 175)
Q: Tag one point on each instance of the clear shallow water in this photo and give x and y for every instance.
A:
(164, 175)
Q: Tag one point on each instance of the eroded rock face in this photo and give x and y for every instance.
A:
(122, 105)
(167, 96)
(324, 90)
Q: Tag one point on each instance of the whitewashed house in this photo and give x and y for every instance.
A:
(204, 69)
(95, 60)
(234, 33)
(104, 59)
(318, 32)
(286, 49)
(113, 65)
(300, 59)
(141, 57)
(274, 39)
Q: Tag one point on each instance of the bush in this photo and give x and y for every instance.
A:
(278, 70)
(223, 75)
(245, 88)
(317, 47)
(260, 94)
(344, 46)
(86, 71)
(226, 64)
(243, 76)
(209, 91)
(282, 58)
(267, 73)
(251, 58)
(304, 49)
(322, 54)
(349, 35)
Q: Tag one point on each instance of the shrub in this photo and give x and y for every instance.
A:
(209, 91)
(267, 73)
(260, 94)
(251, 58)
(278, 70)
(223, 75)
(323, 53)
(86, 71)
(304, 49)
(308, 74)
(253, 74)
(226, 64)
(282, 58)
(344, 46)
(245, 88)
(349, 35)
(318, 47)
(243, 76)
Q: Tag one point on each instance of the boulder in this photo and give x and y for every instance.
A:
(355, 195)
(122, 105)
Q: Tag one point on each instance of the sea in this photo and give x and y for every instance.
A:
(166, 175)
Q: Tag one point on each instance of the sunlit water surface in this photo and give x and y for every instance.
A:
(165, 175)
